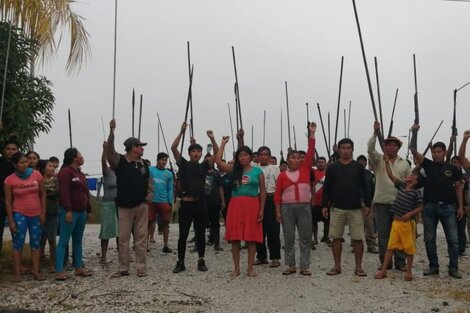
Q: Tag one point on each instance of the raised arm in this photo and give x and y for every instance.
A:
(215, 146)
(176, 142)
(104, 163)
(308, 162)
(388, 168)
(111, 154)
(240, 138)
(221, 165)
(463, 149)
(374, 155)
(413, 144)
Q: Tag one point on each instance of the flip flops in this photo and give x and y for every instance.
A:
(380, 275)
(289, 271)
(83, 273)
(333, 272)
(120, 274)
(360, 273)
(141, 273)
(305, 272)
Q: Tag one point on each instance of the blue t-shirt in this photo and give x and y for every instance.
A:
(162, 181)
(249, 186)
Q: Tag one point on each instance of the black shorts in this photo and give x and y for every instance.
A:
(317, 215)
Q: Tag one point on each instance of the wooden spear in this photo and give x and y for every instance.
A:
(323, 129)
(133, 111)
(371, 93)
(390, 129)
(115, 58)
(432, 138)
(339, 98)
(379, 98)
(140, 115)
(237, 89)
(164, 140)
(70, 129)
(349, 119)
(288, 117)
(187, 103)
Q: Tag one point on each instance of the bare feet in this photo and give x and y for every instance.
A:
(38, 277)
(234, 274)
(380, 275)
(251, 273)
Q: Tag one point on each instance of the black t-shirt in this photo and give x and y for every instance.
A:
(211, 188)
(346, 186)
(440, 181)
(6, 169)
(132, 182)
(192, 178)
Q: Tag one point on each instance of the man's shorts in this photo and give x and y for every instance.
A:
(161, 208)
(402, 236)
(339, 218)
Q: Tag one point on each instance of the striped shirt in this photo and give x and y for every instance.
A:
(406, 201)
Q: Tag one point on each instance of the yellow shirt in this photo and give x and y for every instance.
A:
(385, 191)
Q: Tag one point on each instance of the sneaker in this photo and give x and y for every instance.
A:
(166, 250)
(432, 271)
(179, 267)
(201, 266)
(454, 272)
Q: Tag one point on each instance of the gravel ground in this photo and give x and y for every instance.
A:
(212, 291)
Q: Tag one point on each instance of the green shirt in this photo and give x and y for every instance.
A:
(52, 193)
(249, 186)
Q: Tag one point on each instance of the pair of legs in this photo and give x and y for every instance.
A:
(271, 236)
(133, 221)
(338, 220)
(317, 216)
(109, 227)
(236, 259)
(213, 210)
(163, 211)
(384, 220)
(74, 230)
(403, 238)
(297, 216)
(33, 226)
(49, 234)
(446, 213)
(192, 211)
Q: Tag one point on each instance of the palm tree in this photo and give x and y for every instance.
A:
(41, 20)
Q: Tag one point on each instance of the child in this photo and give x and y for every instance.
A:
(407, 204)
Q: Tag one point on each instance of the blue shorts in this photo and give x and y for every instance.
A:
(24, 223)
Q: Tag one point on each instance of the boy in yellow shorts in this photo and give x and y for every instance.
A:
(408, 203)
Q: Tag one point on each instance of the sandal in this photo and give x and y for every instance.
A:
(305, 272)
(407, 277)
(380, 275)
(289, 270)
(120, 274)
(61, 277)
(333, 272)
(39, 277)
(141, 273)
(360, 273)
(275, 264)
(83, 273)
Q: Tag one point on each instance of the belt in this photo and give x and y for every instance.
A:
(189, 199)
(271, 195)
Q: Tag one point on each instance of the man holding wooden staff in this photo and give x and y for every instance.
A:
(385, 191)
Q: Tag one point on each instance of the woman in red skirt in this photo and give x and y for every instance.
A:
(245, 212)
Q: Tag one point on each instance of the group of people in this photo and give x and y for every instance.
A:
(380, 194)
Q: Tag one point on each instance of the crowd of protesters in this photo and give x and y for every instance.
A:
(380, 198)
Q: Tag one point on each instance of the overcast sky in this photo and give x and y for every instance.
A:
(299, 41)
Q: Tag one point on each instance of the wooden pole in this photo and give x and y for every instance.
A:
(390, 128)
(140, 115)
(188, 99)
(371, 93)
(252, 136)
(329, 132)
(133, 111)
(432, 138)
(282, 153)
(288, 117)
(345, 122)
(308, 116)
(115, 57)
(264, 128)
(323, 129)
(295, 138)
(349, 119)
(70, 129)
(339, 98)
(379, 98)
(237, 89)
(164, 141)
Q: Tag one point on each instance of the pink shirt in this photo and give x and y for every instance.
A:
(288, 194)
(26, 199)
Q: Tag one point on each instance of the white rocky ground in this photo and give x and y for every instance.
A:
(212, 291)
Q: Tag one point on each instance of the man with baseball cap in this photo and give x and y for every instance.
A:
(385, 191)
(133, 191)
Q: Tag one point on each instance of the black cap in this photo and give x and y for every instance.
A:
(132, 141)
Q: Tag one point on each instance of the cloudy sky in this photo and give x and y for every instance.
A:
(299, 41)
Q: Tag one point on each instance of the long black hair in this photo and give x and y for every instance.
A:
(69, 155)
(238, 168)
